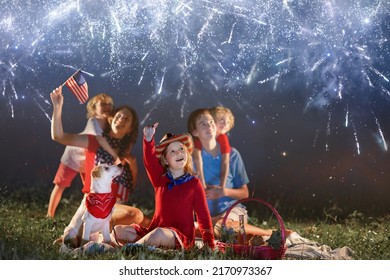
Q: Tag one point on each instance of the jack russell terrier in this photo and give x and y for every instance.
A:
(95, 210)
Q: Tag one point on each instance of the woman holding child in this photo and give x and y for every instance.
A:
(121, 135)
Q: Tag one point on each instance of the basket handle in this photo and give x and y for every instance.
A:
(276, 213)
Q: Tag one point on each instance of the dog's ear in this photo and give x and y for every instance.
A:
(96, 172)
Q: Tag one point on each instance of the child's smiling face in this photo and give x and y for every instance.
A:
(121, 123)
(176, 156)
(205, 127)
(223, 124)
(103, 108)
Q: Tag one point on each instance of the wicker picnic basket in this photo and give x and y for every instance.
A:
(263, 252)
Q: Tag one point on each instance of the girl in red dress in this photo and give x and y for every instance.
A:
(178, 195)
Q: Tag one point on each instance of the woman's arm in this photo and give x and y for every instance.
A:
(132, 161)
(57, 131)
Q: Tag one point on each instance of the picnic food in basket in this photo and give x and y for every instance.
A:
(256, 240)
(273, 249)
(275, 239)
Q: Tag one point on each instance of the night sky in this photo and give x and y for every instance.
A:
(308, 83)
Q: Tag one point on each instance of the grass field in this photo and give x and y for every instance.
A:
(26, 234)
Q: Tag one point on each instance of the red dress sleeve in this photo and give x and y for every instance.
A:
(224, 144)
(152, 164)
(203, 216)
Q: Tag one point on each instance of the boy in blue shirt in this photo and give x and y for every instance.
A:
(202, 126)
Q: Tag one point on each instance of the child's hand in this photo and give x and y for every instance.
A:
(56, 97)
(117, 161)
(214, 192)
(149, 131)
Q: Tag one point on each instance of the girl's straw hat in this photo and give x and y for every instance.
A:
(168, 138)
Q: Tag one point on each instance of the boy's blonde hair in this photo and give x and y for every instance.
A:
(91, 105)
(223, 111)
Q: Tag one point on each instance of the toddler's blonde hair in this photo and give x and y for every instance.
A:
(220, 111)
(91, 105)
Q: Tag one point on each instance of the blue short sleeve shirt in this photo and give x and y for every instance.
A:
(237, 177)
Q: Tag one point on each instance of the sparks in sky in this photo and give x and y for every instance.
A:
(187, 49)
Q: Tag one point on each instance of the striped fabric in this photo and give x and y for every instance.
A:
(78, 86)
(168, 138)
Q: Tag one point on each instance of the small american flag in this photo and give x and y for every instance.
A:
(78, 86)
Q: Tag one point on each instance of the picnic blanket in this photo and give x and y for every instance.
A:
(89, 249)
(298, 248)
(302, 248)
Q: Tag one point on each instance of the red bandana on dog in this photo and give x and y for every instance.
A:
(100, 204)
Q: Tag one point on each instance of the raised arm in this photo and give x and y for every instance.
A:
(57, 131)
(149, 131)
(153, 167)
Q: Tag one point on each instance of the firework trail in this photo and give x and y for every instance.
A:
(338, 48)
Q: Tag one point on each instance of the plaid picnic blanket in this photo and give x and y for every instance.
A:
(302, 248)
